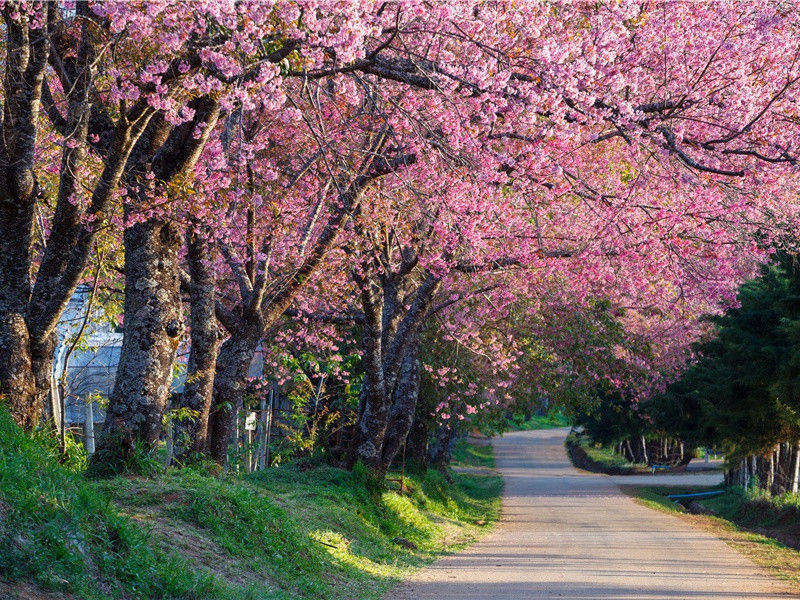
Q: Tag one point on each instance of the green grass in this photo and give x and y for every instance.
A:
(551, 420)
(280, 533)
(599, 459)
(764, 528)
(466, 454)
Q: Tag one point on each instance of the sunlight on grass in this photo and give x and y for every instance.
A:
(278, 534)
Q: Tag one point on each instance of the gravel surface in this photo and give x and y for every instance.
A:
(568, 534)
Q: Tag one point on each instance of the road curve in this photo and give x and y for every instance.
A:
(568, 534)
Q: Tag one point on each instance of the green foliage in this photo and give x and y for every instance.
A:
(593, 456)
(742, 394)
(286, 532)
(466, 454)
(553, 419)
(321, 403)
(118, 458)
(612, 418)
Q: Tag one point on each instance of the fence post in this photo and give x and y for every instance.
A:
(261, 434)
(88, 427)
(270, 414)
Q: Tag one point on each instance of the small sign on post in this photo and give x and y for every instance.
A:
(250, 422)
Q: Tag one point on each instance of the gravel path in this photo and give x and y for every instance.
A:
(573, 535)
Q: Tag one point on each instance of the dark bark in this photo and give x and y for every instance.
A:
(417, 441)
(233, 364)
(25, 61)
(403, 406)
(199, 384)
(383, 355)
(374, 402)
(153, 323)
(152, 330)
(441, 449)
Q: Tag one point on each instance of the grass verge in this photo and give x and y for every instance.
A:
(766, 530)
(599, 459)
(278, 534)
(552, 420)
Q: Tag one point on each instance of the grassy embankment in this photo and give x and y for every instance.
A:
(281, 533)
(551, 420)
(599, 459)
(766, 529)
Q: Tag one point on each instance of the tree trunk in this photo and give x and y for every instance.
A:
(644, 450)
(371, 430)
(404, 406)
(441, 449)
(17, 380)
(26, 55)
(374, 404)
(152, 331)
(630, 455)
(233, 364)
(796, 469)
(199, 387)
(770, 472)
(417, 441)
(17, 383)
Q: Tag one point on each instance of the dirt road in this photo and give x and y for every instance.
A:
(573, 535)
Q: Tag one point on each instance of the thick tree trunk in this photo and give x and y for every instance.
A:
(403, 407)
(441, 450)
(372, 422)
(17, 384)
(26, 54)
(383, 355)
(417, 441)
(233, 364)
(199, 387)
(374, 404)
(153, 329)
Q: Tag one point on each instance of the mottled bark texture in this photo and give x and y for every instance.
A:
(152, 330)
(204, 332)
(404, 405)
(153, 324)
(390, 330)
(233, 364)
(25, 61)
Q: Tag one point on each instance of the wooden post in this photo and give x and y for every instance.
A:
(88, 427)
(261, 433)
(55, 404)
(270, 413)
(170, 446)
(250, 456)
(771, 472)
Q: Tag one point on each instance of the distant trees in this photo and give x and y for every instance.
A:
(740, 394)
